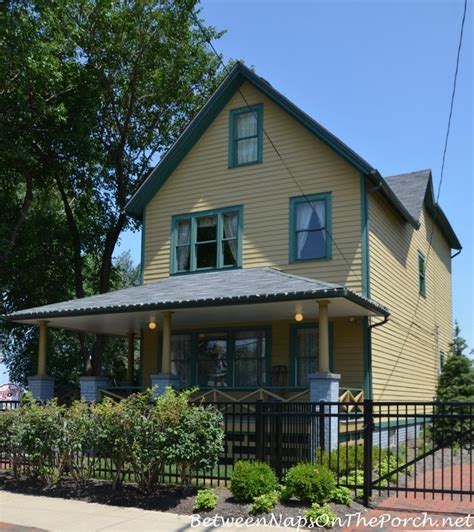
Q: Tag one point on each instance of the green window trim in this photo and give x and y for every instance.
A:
(219, 213)
(293, 329)
(233, 114)
(231, 335)
(294, 201)
(422, 274)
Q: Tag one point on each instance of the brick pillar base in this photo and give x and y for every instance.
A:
(90, 387)
(162, 380)
(324, 386)
(42, 388)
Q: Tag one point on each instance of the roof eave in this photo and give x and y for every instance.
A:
(176, 305)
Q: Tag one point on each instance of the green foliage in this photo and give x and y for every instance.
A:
(137, 434)
(252, 479)
(348, 458)
(310, 483)
(205, 500)
(342, 496)
(389, 463)
(91, 93)
(38, 431)
(320, 516)
(456, 384)
(354, 478)
(264, 503)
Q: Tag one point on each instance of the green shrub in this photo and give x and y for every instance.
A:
(320, 516)
(252, 479)
(342, 496)
(80, 441)
(39, 434)
(354, 478)
(310, 483)
(264, 503)
(348, 458)
(205, 500)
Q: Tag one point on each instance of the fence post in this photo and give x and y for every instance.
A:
(322, 434)
(368, 444)
(259, 444)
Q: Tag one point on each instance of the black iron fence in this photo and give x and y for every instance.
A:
(372, 447)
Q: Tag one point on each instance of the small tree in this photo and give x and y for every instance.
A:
(456, 384)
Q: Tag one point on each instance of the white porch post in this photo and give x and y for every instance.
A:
(164, 379)
(324, 388)
(323, 336)
(41, 386)
(130, 357)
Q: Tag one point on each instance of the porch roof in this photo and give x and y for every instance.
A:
(129, 309)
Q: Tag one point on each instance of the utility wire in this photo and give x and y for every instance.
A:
(446, 139)
(267, 136)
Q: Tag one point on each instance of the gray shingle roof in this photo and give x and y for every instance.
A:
(410, 189)
(213, 288)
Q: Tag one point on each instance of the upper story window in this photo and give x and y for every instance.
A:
(310, 227)
(207, 240)
(422, 273)
(246, 135)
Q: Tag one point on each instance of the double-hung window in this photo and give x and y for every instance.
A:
(207, 240)
(310, 227)
(422, 273)
(246, 135)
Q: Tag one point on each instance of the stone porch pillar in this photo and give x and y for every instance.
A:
(41, 385)
(324, 388)
(165, 378)
(130, 357)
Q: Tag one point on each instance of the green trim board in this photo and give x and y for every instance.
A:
(367, 350)
(421, 264)
(364, 237)
(231, 332)
(292, 359)
(142, 251)
(196, 128)
(233, 114)
(292, 243)
(220, 239)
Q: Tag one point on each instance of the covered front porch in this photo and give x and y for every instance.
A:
(235, 335)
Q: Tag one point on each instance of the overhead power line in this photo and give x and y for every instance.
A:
(273, 145)
(435, 213)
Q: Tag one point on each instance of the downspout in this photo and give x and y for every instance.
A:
(456, 254)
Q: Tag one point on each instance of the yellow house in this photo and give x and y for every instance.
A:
(273, 253)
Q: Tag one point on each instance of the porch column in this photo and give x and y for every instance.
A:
(130, 357)
(164, 379)
(323, 336)
(324, 388)
(166, 351)
(43, 342)
(41, 386)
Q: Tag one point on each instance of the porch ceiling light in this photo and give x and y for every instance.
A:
(298, 316)
(152, 325)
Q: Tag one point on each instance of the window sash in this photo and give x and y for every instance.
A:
(325, 228)
(235, 138)
(235, 241)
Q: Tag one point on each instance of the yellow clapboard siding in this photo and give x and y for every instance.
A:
(405, 350)
(203, 181)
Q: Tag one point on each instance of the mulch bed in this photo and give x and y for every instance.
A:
(178, 499)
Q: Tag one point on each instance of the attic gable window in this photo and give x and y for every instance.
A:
(422, 273)
(210, 240)
(246, 135)
(310, 227)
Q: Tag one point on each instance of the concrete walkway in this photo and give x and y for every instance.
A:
(19, 512)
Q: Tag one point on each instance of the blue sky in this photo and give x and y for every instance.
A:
(378, 74)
